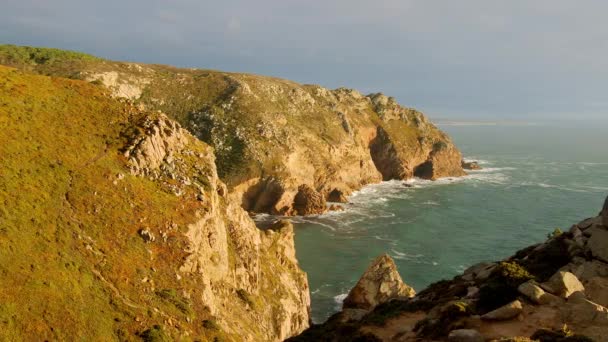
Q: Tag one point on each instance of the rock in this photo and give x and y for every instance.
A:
(598, 243)
(308, 201)
(505, 312)
(481, 271)
(472, 165)
(582, 311)
(465, 335)
(335, 207)
(604, 213)
(532, 292)
(563, 284)
(349, 315)
(380, 283)
(590, 269)
(155, 143)
(596, 290)
(146, 235)
(337, 195)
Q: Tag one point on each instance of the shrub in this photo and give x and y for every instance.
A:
(154, 334)
(501, 287)
(556, 233)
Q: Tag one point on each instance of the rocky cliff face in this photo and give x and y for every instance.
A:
(115, 225)
(228, 255)
(554, 291)
(273, 137)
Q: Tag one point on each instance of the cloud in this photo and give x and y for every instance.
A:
(468, 56)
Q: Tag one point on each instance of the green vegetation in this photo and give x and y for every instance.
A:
(155, 334)
(23, 55)
(556, 233)
(501, 287)
(180, 303)
(66, 209)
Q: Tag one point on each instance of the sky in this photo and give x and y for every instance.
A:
(477, 59)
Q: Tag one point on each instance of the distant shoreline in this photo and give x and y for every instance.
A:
(440, 122)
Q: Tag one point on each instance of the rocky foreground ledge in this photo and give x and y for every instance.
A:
(553, 291)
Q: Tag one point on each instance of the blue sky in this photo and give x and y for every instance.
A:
(516, 59)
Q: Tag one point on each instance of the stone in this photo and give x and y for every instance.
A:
(481, 271)
(582, 311)
(465, 335)
(505, 312)
(563, 284)
(146, 235)
(535, 293)
(591, 269)
(308, 201)
(380, 283)
(596, 290)
(598, 243)
(604, 213)
(472, 165)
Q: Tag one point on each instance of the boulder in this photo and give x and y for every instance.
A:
(598, 243)
(563, 284)
(472, 165)
(584, 312)
(535, 293)
(308, 201)
(604, 213)
(380, 283)
(505, 312)
(596, 290)
(480, 271)
(465, 335)
(146, 235)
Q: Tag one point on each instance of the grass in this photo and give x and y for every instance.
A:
(70, 257)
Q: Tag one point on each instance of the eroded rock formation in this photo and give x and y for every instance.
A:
(228, 256)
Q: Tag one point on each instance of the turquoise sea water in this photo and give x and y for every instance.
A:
(536, 177)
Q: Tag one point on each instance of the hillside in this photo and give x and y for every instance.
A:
(115, 226)
(282, 147)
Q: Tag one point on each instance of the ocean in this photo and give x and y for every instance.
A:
(536, 177)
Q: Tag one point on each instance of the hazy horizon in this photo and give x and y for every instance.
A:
(472, 59)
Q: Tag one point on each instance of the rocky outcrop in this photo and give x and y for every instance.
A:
(272, 136)
(308, 201)
(380, 283)
(228, 257)
(604, 213)
(471, 165)
(533, 294)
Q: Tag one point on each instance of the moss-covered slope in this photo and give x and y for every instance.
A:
(115, 226)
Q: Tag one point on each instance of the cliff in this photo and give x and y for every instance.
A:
(114, 225)
(553, 291)
(281, 147)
